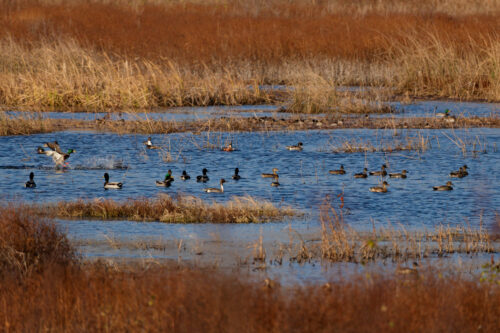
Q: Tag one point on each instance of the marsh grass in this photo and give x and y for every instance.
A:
(99, 55)
(45, 287)
(27, 124)
(339, 242)
(29, 244)
(418, 143)
(108, 297)
(168, 209)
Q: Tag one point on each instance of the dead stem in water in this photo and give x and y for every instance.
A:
(339, 242)
(419, 143)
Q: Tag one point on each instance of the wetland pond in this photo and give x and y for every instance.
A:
(304, 178)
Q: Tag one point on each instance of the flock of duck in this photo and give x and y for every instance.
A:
(59, 158)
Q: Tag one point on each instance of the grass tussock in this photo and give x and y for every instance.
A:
(181, 209)
(29, 244)
(98, 55)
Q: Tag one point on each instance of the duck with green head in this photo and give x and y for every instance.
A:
(167, 181)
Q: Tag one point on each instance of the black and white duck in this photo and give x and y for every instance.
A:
(149, 144)
(185, 176)
(111, 185)
(297, 147)
(203, 177)
(30, 183)
(236, 175)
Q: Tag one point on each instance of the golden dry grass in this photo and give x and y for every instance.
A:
(29, 124)
(97, 55)
(164, 208)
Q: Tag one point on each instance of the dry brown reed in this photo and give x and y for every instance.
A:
(409, 142)
(58, 293)
(164, 208)
(25, 125)
(29, 244)
(99, 55)
(339, 242)
(106, 298)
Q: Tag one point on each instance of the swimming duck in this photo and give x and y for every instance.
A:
(185, 176)
(382, 172)
(271, 175)
(203, 178)
(398, 175)
(465, 167)
(380, 189)
(341, 171)
(167, 181)
(363, 174)
(30, 183)
(444, 114)
(228, 147)
(447, 187)
(40, 150)
(113, 185)
(149, 144)
(216, 190)
(462, 172)
(298, 147)
(236, 175)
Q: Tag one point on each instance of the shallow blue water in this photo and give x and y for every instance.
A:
(458, 109)
(401, 110)
(304, 176)
(171, 114)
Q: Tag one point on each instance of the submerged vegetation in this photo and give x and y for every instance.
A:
(181, 209)
(97, 55)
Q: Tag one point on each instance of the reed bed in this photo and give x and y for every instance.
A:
(341, 243)
(97, 55)
(103, 298)
(29, 244)
(164, 208)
